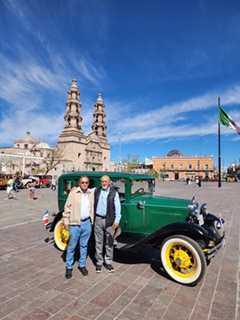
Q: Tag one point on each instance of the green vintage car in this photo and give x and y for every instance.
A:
(188, 236)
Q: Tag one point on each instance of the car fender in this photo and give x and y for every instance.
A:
(55, 220)
(190, 230)
(193, 231)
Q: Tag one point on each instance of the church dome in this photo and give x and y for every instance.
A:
(28, 138)
(174, 153)
(43, 145)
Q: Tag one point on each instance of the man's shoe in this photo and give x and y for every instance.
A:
(83, 271)
(98, 268)
(14, 198)
(68, 273)
(109, 268)
(6, 199)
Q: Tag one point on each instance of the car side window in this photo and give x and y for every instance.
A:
(119, 185)
(66, 186)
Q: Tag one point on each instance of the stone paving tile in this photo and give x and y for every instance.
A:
(147, 296)
(133, 312)
(33, 305)
(38, 314)
(199, 316)
(70, 310)
(176, 312)
(108, 295)
(57, 303)
(19, 314)
(11, 306)
(90, 311)
(33, 285)
(223, 311)
(74, 317)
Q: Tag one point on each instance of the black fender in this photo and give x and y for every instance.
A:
(190, 230)
(55, 220)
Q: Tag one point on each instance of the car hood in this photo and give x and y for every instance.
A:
(163, 201)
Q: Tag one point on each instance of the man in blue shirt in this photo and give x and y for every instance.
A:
(107, 208)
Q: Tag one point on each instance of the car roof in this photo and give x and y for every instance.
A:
(111, 174)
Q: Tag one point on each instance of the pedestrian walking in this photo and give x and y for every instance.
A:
(53, 184)
(196, 182)
(78, 217)
(16, 183)
(199, 182)
(10, 189)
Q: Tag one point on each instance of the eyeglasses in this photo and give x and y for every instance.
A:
(84, 182)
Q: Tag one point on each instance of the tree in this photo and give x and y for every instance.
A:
(153, 173)
(131, 163)
(55, 157)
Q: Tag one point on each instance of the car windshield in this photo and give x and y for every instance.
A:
(141, 186)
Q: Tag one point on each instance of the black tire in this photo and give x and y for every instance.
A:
(183, 259)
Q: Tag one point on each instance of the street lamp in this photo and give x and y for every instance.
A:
(119, 152)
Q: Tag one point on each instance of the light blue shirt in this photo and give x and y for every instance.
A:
(102, 205)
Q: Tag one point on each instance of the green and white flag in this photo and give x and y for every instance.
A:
(226, 120)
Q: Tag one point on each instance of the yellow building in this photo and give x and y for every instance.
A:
(176, 166)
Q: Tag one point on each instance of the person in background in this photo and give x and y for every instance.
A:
(196, 182)
(10, 189)
(78, 217)
(16, 183)
(53, 184)
(107, 209)
(153, 185)
(200, 182)
(32, 190)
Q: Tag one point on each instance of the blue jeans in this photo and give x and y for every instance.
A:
(78, 234)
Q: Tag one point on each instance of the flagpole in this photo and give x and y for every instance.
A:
(219, 151)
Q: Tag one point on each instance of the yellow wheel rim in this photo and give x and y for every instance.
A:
(181, 260)
(62, 235)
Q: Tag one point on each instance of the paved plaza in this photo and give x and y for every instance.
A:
(33, 284)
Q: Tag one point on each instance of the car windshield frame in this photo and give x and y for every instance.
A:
(141, 186)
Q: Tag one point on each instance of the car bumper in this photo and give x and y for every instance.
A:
(213, 251)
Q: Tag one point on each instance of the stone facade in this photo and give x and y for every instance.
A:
(79, 152)
(87, 152)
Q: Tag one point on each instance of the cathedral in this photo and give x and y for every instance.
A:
(87, 152)
(79, 152)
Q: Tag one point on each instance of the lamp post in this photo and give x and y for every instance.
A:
(119, 152)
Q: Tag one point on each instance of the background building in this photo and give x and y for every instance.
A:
(74, 152)
(176, 166)
(87, 152)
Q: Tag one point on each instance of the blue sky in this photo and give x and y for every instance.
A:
(159, 64)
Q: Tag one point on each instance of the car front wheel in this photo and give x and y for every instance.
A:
(183, 259)
(61, 236)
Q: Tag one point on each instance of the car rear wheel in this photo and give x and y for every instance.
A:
(183, 259)
(61, 236)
